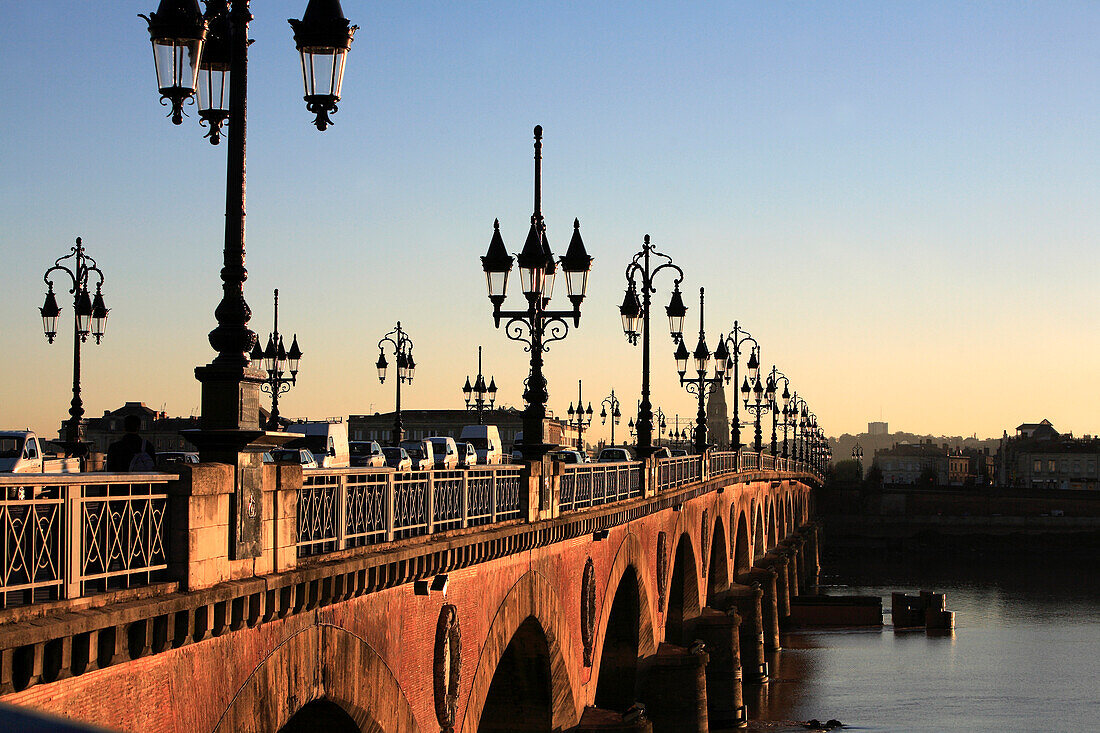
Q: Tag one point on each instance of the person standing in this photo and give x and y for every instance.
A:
(131, 452)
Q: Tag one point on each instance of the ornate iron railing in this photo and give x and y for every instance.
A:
(340, 508)
(68, 535)
(592, 484)
(673, 472)
(723, 462)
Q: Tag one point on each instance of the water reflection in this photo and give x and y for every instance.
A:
(1023, 656)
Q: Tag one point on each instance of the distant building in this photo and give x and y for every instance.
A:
(718, 422)
(878, 428)
(165, 433)
(1038, 457)
(906, 463)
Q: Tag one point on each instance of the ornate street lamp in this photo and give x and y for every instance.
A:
(659, 423)
(640, 272)
(278, 363)
(783, 400)
(208, 55)
(89, 317)
(753, 387)
(478, 394)
(736, 341)
(402, 347)
(580, 419)
(612, 402)
(537, 326)
(857, 455)
(698, 385)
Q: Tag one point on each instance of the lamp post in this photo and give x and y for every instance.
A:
(635, 312)
(580, 418)
(736, 341)
(277, 362)
(478, 394)
(612, 402)
(857, 454)
(536, 326)
(89, 316)
(785, 399)
(208, 55)
(659, 422)
(402, 347)
(754, 387)
(699, 384)
(632, 428)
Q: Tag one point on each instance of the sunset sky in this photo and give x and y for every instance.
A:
(898, 200)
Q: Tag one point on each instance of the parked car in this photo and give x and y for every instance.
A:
(467, 455)
(366, 454)
(677, 452)
(326, 439)
(446, 452)
(169, 458)
(21, 451)
(301, 456)
(397, 458)
(568, 456)
(486, 440)
(612, 455)
(662, 452)
(421, 453)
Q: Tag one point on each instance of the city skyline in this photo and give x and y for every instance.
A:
(927, 167)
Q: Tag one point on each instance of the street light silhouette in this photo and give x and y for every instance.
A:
(205, 54)
(634, 312)
(611, 401)
(763, 397)
(537, 327)
(478, 394)
(277, 361)
(736, 340)
(785, 398)
(699, 384)
(89, 317)
(582, 419)
(402, 347)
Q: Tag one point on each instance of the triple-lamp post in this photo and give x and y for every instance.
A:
(207, 55)
(477, 394)
(635, 314)
(781, 407)
(753, 386)
(536, 326)
(699, 384)
(90, 317)
(402, 347)
(277, 362)
(580, 418)
(612, 402)
(857, 455)
(736, 341)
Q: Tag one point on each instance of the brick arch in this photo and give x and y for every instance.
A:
(631, 553)
(320, 662)
(759, 544)
(771, 530)
(718, 578)
(532, 596)
(740, 549)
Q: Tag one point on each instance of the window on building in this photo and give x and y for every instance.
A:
(1077, 467)
(1050, 465)
(1038, 467)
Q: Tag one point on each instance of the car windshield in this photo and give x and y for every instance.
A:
(479, 443)
(391, 452)
(359, 449)
(11, 447)
(284, 455)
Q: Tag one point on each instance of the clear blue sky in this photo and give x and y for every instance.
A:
(897, 199)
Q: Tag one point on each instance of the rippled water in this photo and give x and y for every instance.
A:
(1025, 654)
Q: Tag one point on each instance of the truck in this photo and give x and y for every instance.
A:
(21, 451)
(486, 440)
(326, 439)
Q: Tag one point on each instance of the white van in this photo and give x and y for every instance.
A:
(486, 440)
(446, 452)
(21, 451)
(326, 439)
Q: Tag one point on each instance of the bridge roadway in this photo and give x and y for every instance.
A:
(536, 597)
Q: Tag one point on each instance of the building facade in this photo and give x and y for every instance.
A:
(1038, 457)
(420, 424)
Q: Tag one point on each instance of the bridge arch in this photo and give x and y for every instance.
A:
(772, 532)
(320, 663)
(758, 548)
(742, 555)
(718, 578)
(683, 590)
(532, 618)
(626, 630)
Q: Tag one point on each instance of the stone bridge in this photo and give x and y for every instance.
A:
(536, 597)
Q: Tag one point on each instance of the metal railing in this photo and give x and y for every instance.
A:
(723, 462)
(340, 508)
(591, 484)
(68, 535)
(673, 472)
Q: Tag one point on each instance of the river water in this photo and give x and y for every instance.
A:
(1025, 654)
